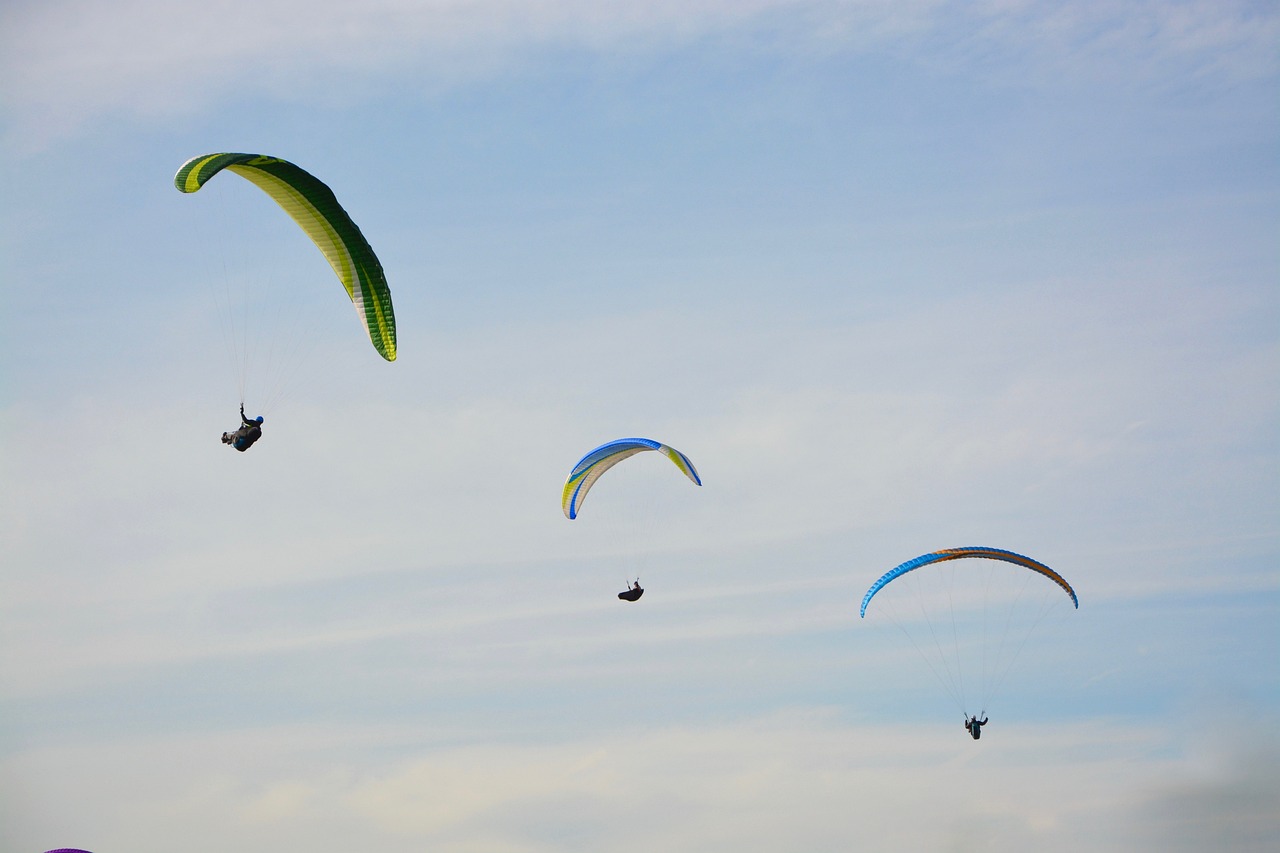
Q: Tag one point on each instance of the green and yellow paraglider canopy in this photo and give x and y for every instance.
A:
(314, 207)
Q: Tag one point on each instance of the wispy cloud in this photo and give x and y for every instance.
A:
(65, 63)
(795, 779)
(1231, 805)
(809, 456)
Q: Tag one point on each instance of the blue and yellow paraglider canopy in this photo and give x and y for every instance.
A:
(594, 464)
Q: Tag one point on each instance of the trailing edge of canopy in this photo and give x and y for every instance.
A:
(594, 464)
(961, 553)
(311, 204)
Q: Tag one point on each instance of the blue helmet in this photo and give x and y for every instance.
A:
(258, 419)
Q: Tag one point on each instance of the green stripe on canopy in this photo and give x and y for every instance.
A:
(314, 207)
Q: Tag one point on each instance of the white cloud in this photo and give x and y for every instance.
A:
(800, 780)
(1232, 805)
(64, 63)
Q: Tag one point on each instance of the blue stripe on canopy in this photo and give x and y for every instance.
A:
(961, 553)
(595, 463)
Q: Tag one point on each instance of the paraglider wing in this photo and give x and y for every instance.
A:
(594, 464)
(961, 553)
(314, 207)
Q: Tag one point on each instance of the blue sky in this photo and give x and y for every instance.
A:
(896, 276)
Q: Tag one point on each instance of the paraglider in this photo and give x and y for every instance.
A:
(969, 626)
(313, 206)
(592, 466)
(960, 553)
(244, 437)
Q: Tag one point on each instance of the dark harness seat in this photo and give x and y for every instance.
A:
(243, 438)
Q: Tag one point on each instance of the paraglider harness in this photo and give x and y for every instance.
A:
(633, 591)
(974, 726)
(249, 432)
